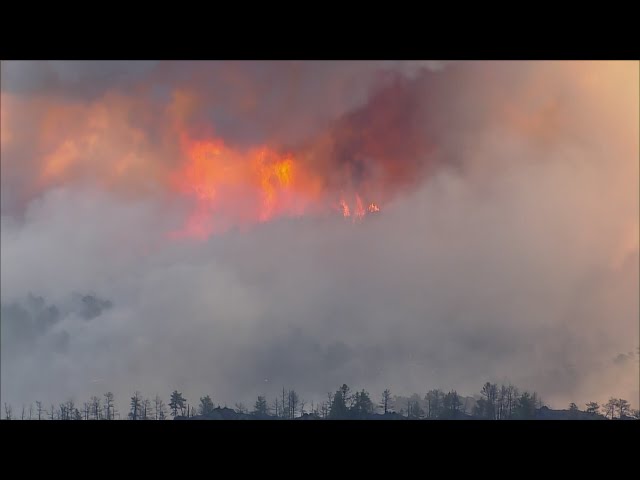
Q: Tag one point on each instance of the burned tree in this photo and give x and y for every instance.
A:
(159, 408)
(386, 403)
(109, 405)
(135, 406)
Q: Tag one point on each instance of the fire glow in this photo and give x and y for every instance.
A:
(237, 189)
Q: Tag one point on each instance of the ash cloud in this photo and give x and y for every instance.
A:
(508, 250)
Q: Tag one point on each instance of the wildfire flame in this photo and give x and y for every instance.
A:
(231, 188)
(373, 208)
(220, 185)
(346, 212)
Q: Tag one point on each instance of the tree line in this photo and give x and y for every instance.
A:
(494, 402)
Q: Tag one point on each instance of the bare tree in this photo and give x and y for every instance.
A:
(512, 396)
(146, 409)
(95, 407)
(39, 409)
(70, 409)
(159, 408)
(30, 410)
(62, 409)
(22, 414)
(7, 411)
(285, 412)
(501, 407)
(292, 405)
(386, 401)
(325, 408)
(134, 413)
(109, 405)
(490, 394)
(610, 408)
(276, 408)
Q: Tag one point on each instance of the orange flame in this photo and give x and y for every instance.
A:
(232, 188)
(345, 208)
(359, 208)
(221, 186)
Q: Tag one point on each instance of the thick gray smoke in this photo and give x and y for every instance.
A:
(513, 256)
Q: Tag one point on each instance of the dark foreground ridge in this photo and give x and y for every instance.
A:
(494, 402)
(544, 413)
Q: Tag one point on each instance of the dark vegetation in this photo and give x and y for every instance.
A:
(504, 402)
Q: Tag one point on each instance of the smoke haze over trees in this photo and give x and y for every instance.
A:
(505, 246)
(495, 402)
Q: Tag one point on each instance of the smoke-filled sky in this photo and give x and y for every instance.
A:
(230, 228)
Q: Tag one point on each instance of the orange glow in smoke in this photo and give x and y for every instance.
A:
(116, 143)
(235, 189)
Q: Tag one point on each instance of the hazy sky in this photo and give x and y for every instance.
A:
(180, 225)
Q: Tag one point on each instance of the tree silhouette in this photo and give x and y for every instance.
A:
(135, 406)
(593, 408)
(623, 407)
(159, 408)
(362, 405)
(177, 402)
(525, 407)
(109, 405)
(610, 408)
(573, 411)
(338, 409)
(261, 408)
(434, 403)
(386, 403)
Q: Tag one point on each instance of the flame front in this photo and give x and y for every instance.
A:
(135, 148)
(235, 189)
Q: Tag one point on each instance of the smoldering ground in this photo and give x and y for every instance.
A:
(507, 249)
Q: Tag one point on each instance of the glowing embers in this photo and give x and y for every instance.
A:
(359, 212)
(373, 208)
